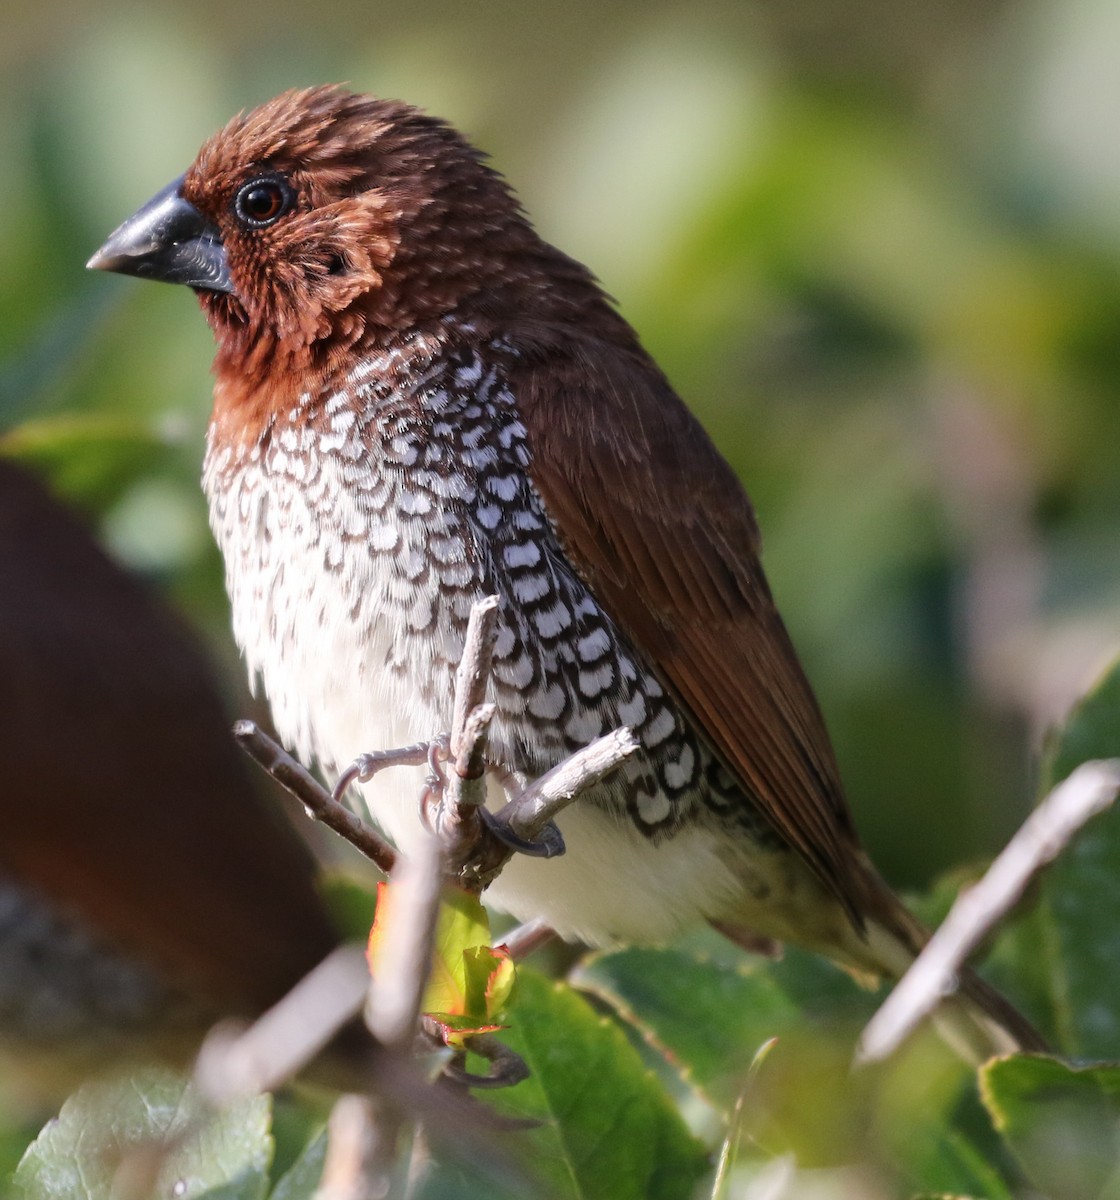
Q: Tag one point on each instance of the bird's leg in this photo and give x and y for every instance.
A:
(524, 939)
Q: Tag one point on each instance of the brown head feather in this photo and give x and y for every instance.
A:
(397, 223)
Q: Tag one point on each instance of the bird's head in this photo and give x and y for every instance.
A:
(324, 220)
(325, 225)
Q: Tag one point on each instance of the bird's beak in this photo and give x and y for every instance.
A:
(170, 240)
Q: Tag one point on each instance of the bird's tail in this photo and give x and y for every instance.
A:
(976, 1020)
(873, 935)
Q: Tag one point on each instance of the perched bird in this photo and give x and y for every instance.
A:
(146, 886)
(419, 402)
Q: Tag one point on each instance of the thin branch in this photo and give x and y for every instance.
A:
(403, 953)
(542, 801)
(401, 962)
(458, 820)
(459, 815)
(465, 793)
(315, 799)
(358, 1164)
(473, 672)
(521, 941)
(1041, 838)
(470, 758)
(233, 1064)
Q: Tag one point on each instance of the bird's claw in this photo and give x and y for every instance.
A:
(550, 843)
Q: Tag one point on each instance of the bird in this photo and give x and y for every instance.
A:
(147, 887)
(419, 402)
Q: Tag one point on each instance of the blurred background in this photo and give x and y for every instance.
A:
(875, 244)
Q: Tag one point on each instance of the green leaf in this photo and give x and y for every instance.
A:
(469, 978)
(463, 925)
(452, 1180)
(299, 1116)
(676, 998)
(470, 982)
(90, 460)
(351, 902)
(609, 1128)
(1092, 730)
(1070, 945)
(735, 1137)
(108, 1123)
(709, 1017)
(491, 977)
(13, 1144)
(1062, 1122)
(302, 1179)
(453, 987)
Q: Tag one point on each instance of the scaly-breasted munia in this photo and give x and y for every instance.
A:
(419, 403)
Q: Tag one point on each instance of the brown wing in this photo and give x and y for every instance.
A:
(664, 534)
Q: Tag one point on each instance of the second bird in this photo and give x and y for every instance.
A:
(419, 403)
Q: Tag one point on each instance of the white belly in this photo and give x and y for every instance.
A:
(355, 646)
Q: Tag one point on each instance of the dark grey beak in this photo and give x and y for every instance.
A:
(170, 240)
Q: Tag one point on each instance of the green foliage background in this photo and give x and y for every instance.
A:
(875, 244)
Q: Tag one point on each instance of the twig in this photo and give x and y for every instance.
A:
(521, 941)
(458, 820)
(399, 970)
(527, 816)
(470, 758)
(1041, 838)
(233, 1064)
(356, 1163)
(403, 953)
(318, 803)
(473, 672)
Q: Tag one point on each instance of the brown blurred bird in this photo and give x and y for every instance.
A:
(419, 403)
(146, 886)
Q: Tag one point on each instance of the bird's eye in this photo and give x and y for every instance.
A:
(260, 202)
